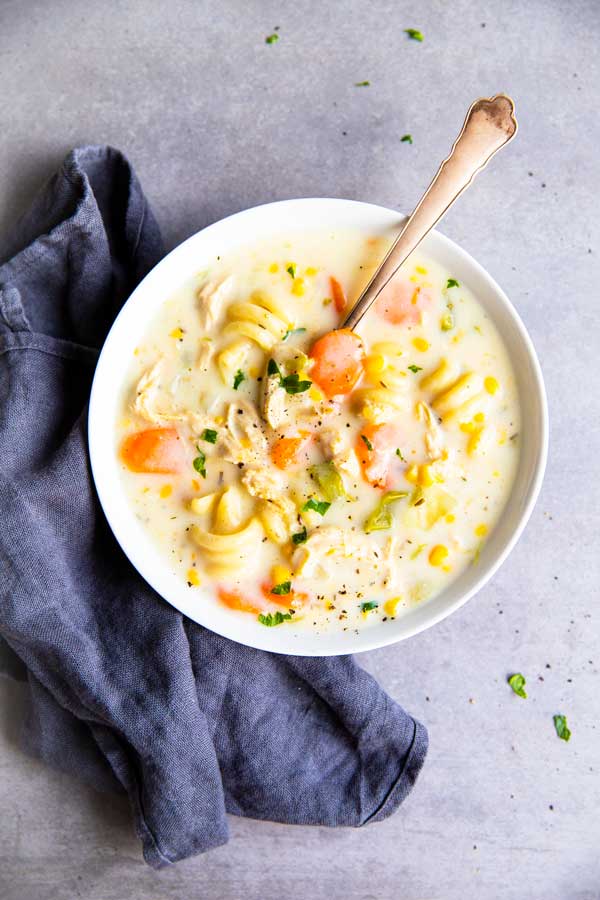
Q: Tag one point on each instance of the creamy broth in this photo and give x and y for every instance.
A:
(289, 501)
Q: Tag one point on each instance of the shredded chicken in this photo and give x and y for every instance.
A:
(244, 440)
(211, 298)
(205, 354)
(336, 448)
(434, 438)
(146, 399)
(331, 541)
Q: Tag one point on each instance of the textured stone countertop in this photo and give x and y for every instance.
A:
(216, 120)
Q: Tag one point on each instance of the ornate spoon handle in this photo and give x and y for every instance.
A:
(489, 125)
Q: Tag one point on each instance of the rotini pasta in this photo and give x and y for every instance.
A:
(231, 543)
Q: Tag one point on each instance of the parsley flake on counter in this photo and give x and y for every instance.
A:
(452, 282)
(414, 34)
(318, 506)
(199, 463)
(517, 683)
(368, 443)
(362, 84)
(406, 139)
(272, 619)
(239, 377)
(284, 588)
(271, 38)
(399, 454)
(415, 369)
(291, 270)
(209, 435)
(368, 606)
(300, 537)
(562, 730)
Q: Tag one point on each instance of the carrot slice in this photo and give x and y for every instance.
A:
(156, 450)
(293, 599)
(234, 600)
(338, 295)
(284, 451)
(402, 303)
(338, 362)
(376, 450)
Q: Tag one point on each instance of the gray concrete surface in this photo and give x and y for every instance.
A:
(215, 120)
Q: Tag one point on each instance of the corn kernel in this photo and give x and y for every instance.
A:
(219, 420)
(413, 278)
(136, 351)
(280, 574)
(450, 518)
(298, 287)
(311, 271)
(479, 417)
(273, 268)
(192, 577)
(177, 333)
(253, 372)
(374, 365)
(474, 442)
(391, 605)
(412, 474)
(195, 484)
(315, 394)
(166, 491)
(491, 385)
(438, 555)
(481, 530)
(421, 344)
(426, 478)
(421, 270)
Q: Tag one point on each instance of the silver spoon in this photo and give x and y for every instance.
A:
(489, 125)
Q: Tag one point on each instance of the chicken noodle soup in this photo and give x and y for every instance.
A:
(313, 477)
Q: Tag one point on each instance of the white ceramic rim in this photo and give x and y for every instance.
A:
(262, 221)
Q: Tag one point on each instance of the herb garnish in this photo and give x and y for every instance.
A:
(362, 84)
(300, 537)
(291, 270)
(199, 463)
(414, 34)
(209, 435)
(560, 723)
(517, 683)
(452, 282)
(368, 606)
(319, 506)
(272, 619)
(406, 139)
(284, 588)
(271, 39)
(291, 332)
(415, 369)
(290, 383)
(399, 454)
(239, 377)
(367, 442)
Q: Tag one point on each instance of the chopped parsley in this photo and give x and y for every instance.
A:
(290, 383)
(284, 588)
(399, 454)
(209, 435)
(362, 84)
(414, 34)
(368, 443)
(368, 606)
(517, 683)
(239, 377)
(272, 619)
(562, 730)
(291, 270)
(271, 38)
(319, 506)
(452, 282)
(300, 537)
(199, 463)
(415, 369)
(291, 332)
(406, 139)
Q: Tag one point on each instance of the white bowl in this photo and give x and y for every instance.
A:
(128, 329)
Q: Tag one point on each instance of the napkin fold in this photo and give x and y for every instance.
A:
(124, 691)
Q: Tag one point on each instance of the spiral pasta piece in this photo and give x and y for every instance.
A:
(259, 319)
(231, 545)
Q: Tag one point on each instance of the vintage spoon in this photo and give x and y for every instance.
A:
(489, 125)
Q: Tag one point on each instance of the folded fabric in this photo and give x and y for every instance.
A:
(124, 691)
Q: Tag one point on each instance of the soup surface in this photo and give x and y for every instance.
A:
(308, 477)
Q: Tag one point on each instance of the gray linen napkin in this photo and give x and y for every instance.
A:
(124, 691)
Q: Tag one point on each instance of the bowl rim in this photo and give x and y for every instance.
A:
(264, 640)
